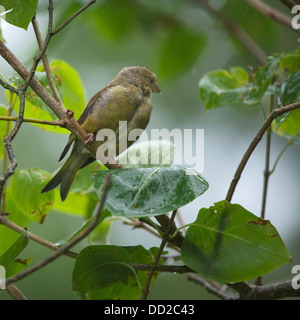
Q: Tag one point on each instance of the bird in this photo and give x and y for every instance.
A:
(125, 98)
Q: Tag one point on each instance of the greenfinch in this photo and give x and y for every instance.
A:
(126, 98)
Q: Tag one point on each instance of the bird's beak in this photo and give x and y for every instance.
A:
(156, 88)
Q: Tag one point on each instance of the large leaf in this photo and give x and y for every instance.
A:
(227, 243)
(104, 272)
(150, 191)
(26, 186)
(22, 13)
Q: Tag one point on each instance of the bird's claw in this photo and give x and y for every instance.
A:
(90, 137)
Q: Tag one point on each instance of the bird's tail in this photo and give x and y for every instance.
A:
(66, 175)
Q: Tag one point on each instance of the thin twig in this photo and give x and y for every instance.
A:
(272, 13)
(60, 123)
(290, 142)
(7, 143)
(45, 61)
(71, 243)
(162, 268)
(145, 290)
(275, 113)
(7, 86)
(210, 288)
(72, 17)
(267, 162)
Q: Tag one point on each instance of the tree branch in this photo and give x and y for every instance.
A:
(288, 3)
(145, 290)
(60, 123)
(15, 292)
(72, 17)
(272, 13)
(275, 113)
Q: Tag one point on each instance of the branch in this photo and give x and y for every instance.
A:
(275, 113)
(45, 59)
(15, 292)
(240, 34)
(162, 268)
(60, 123)
(272, 291)
(210, 288)
(145, 290)
(267, 162)
(164, 221)
(7, 143)
(272, 13)
(62, 250)
(72, 17)
(288, 3)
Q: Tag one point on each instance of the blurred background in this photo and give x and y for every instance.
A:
(179, 41)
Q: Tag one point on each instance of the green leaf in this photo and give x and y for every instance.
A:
(181, 48)
(220, 88)
(26, 186)
(7, 258)
(7, 235)
(17, 266)
(22, 13)
(104, 213)
(104, 272)
(74, 93)
(227, 243)
(153, 153)
(288, 126)
(290, 89)
(290, 61)
(150, 191)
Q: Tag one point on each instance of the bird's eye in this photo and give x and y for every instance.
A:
(151, 81)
